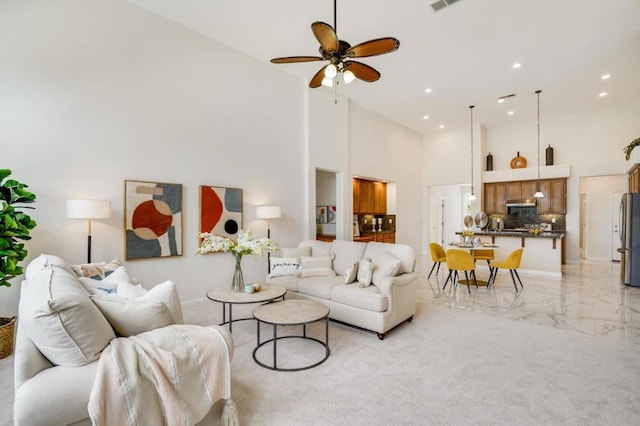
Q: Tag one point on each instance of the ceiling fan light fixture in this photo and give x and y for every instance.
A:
(327, 82)
(330, 71)
(348, 76)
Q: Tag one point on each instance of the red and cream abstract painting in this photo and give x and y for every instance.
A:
(221, 210)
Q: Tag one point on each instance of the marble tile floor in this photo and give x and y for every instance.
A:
(589, 298)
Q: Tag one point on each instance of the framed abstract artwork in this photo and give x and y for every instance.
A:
(221, 210)
(152, 219)
(321, 214)
(331, 214)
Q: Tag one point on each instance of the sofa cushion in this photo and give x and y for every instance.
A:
(59, 317)
(368, 298)
(365, 272)
(289, 282)
(319, 286)
(296, 251)
(282, 266)
(317, 266)
(387, 266)
(318, 248)
(346, 253)
(405, 253)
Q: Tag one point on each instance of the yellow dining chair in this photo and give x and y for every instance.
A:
(483, 254)
(512, 263)
(438, 256)
(460, 260)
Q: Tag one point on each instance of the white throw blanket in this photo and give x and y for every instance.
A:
(167, 376)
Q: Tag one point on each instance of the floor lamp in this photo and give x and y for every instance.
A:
(88, 209)
(268, 213)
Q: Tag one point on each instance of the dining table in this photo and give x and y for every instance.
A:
(469, 247)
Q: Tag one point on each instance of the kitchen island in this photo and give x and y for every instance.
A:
(543, 253)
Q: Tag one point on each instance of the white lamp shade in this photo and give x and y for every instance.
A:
(268, 212)
(88, 209)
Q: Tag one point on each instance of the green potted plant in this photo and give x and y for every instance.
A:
(15, 226)
(627, 149)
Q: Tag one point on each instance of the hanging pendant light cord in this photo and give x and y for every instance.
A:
(538, 93)
(471, 111)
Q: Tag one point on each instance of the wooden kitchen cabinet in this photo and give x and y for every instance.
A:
(558, 196)
(529, 188)
(495, 198)
(514, 190)
(380, 198)
(356, 196)
(369, 197)
(634, 179)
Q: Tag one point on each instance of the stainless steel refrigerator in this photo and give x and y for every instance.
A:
(630, 238)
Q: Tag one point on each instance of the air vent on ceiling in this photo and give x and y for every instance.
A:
(441, 4)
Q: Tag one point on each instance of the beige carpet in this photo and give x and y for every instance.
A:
(446, 367)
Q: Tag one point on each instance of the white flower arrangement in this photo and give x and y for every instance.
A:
(246, 244)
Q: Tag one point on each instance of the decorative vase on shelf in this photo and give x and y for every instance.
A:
(548, 156)
(237, 284)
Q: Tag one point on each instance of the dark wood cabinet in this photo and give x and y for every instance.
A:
(495, 198)
(369, 197)
(380, 198)
(634, 179)
(554, 201)
(356, 196)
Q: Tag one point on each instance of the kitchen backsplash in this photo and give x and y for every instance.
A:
(365, 222)
(520, 219)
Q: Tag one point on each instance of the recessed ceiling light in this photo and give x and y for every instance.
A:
(603, 94)
(516, 65)
(501, 100)
(427, 90)
(605, 76)
(426, 117)
(442, 126)
(510, 113)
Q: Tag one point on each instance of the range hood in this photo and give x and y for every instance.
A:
(527, 202)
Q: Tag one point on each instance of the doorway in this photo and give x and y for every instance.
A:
(448, 206)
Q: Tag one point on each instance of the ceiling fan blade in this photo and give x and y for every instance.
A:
(375, 47)
(316, 81)
(362, 71)
(291, 59)
(326, 36)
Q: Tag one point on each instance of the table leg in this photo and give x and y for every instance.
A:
(275, 341)
(224, 312)
(304, 330)
(326, 337)
(258, 332)
(230, 317)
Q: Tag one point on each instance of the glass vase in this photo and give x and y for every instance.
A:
(237, 284)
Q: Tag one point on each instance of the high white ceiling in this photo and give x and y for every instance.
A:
(463, 52)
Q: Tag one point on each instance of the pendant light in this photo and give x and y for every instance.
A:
(538, 193)
(472, 196)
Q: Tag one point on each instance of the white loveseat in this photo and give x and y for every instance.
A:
(61, 334)
(379, 307)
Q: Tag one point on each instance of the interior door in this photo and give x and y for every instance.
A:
(616, 199)
(582, 230)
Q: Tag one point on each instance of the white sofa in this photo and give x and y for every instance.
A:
(57, 316)
(379, 307)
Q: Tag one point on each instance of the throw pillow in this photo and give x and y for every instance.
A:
(158, 307)
(129, 317)
(108, 284)
(320, 266)
(296, 252)
(131, 291)
(365, 272)
(386, 265)
(352, 273)
(283, 266)
(57, 314)
(97, 271)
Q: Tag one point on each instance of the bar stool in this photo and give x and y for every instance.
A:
(512, 263)
(460, 260)
(437, 255)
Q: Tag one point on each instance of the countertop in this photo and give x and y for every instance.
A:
(518, 234)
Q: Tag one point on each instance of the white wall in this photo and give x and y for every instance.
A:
(383, 149)
(94, 93)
